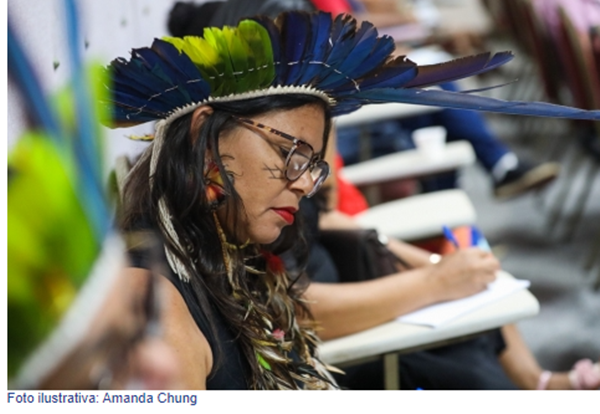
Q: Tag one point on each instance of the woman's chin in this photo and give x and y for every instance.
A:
(267, 236)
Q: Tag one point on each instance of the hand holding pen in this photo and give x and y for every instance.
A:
(466, 271)
(477, 239)
(450, 237)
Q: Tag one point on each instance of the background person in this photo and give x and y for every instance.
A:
(498, 360)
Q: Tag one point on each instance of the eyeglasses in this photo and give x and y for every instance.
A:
(298, 159)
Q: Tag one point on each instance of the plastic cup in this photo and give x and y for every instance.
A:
(430, 141)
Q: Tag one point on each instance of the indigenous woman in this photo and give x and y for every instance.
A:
(221, 186)
(243, 119)
(232, 180)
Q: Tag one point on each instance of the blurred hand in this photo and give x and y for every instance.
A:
(463, 273)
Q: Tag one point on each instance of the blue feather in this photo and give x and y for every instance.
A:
(382, 50)
(297, 37)
(343, 27)
(87, 150)
(139, 76)
(22, 71)
(139, 108)
(138, 83)
(458, 100)
(184, 68)
(154, 82)
(458, 69)
(342, 44)
(397, 69)
(164, 72)
(396, 73)
(352, 66)
(321, 27)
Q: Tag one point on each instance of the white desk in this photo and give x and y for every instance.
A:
(420, 216)
(408, 164)
(389, 340)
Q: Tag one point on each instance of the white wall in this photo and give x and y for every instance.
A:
(111, 28)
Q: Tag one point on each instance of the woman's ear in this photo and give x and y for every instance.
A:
(198, 117)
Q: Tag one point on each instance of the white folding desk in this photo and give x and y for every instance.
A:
(391, 339)
(420, 216)
(409, 164)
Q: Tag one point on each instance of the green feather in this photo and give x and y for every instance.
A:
(217, 40)
(263, 362)
(201, 53)
(239, 61)
(232, 60)
(259, 50)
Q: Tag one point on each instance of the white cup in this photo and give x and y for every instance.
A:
(430, 141)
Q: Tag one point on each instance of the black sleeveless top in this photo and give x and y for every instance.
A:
(230, 369)
(320, 266)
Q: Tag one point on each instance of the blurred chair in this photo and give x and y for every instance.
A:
(512, 15)
(595, 42)
(540, 48)
(583, 79)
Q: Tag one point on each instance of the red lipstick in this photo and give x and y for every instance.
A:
(286, 213)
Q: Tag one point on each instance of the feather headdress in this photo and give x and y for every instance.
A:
(307, 53)
(345, 64)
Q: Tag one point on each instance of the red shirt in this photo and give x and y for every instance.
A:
(333, 6)
(350, 199)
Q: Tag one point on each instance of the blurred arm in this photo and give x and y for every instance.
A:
(345, 308)
(183, 336)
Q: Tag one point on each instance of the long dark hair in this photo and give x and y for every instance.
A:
(179, 180)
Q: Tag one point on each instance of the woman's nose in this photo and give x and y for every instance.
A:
(303, 184)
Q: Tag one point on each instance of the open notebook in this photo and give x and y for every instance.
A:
(445, 312)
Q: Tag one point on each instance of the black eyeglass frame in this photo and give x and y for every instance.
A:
(310, 165)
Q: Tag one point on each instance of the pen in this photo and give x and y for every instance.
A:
(478, 239)
(450, 236)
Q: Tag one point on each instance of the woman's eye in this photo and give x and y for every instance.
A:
(284, 152)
